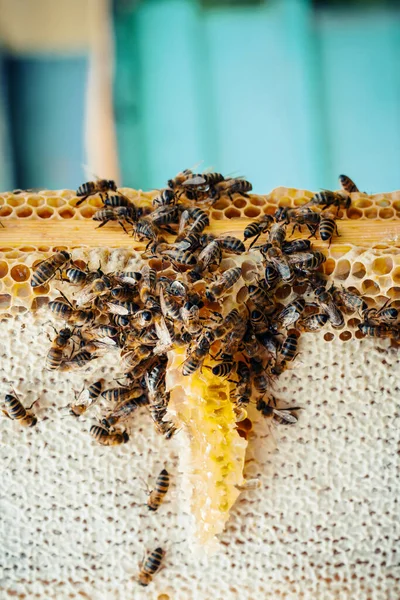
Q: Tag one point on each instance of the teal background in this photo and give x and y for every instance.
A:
(284, 92)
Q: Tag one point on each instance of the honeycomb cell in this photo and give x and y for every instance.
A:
(13, 254)
(41, 290)
(24, 212)
(386, 213)
(269, 210)
(242, 295)
(339, 250)
(394, 293)
(2, 201)
(257, 201)
(370, 287)
(371, 213)
(329, 266)
(362, 203)
(5, 211)
(80, 264)
(20, 273)
(5, 249)
(39, 302)
(239, 203)
(342, 270)
(382, 265)
(283, 292)
(55, 202)
(15, 201)
(246, 424)
(232, 213)
(396, 275)
(67, 212)
(5, 301)
(354, 213)
(221, 204)
(22, 290)
(45, 212)
(252, 212)
(396, 205)
(285, 201)
(358, 270)
(328, 337)
(353, 323)
(345, 336)
(35, 201)
(217, 215)
(3, 268)
(87, 212)
(44, 249)
(300, 201)
(28, 249)
(358, 334)
(384, 202)
(96, 201)
(248, 271)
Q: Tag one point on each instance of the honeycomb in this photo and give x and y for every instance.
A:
(364, 259)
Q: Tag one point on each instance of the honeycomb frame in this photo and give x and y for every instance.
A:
(373, 271)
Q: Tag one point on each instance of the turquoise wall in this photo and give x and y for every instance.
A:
(280, 93)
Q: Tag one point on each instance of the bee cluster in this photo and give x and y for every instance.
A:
(145, 313)
(187, 304)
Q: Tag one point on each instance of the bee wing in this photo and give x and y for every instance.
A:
(183, 221)
(299, 257)
(117, 309)
(85, 296)
(197, 180)
(163, 307)
(249, 484)
(286, 416)
(164, 336)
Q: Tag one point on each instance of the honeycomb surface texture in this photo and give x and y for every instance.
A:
(323, 525)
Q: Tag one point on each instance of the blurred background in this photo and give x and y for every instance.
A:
(284, 92)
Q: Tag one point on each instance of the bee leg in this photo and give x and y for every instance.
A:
(254, 241)
(82, 199)
(2, 224)
(102, 224)
(123, 227)
(33, 403)
(5, 413)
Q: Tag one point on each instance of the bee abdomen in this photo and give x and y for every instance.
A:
(15, 409)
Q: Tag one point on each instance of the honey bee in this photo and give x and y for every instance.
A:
(210, 255)
(385, 314)
(327, 226)
(257, 228)
(272, 276)
(90, 188)
(106, 438)
(377, 331)
(282, 416)
(327, 198)
(196, 358)
(228, 243)
(148, 284)
(163, 216)
(250, 343)
(61, 309)
(259, 376)
(125, 409)
(281, 263)
(190, 314)
(314, 322)
(199, 218)
(131, 278)
(204, 179)
(306, 261)
(296, 246)
(119, 214)
(179, 180)
(76, 276)
(259, 321)
(100, 286)
(229, 322)
(79, 360)
(157, 496)
(242, 391)
(292, 312)
(347, 184)
(223, 369)
(48, 268)
(117, 200)
(55, 355)
(180, 258)
(349, 300)
(150, 565)
(300, 216)
(170, 308)
(145, 229)
(288, 353)
(258, 295)
(76, 409)
(166, 198)
(327, 303)
(15, 410)
(224, 282)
